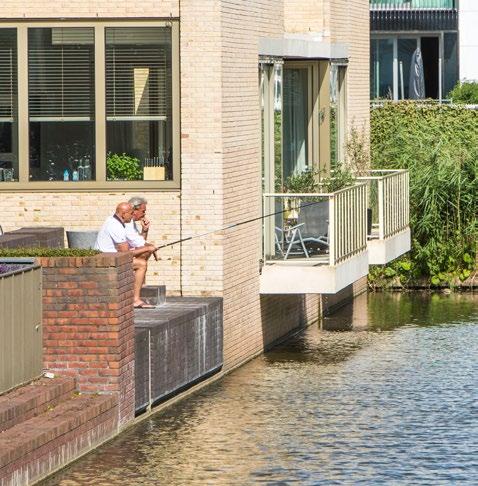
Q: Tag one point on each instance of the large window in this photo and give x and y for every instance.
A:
(306, 117)
(8, 106)
(89, 105)
(61, 103)
(396, 69)
(297, 101)
(138, 100)
(381, 59)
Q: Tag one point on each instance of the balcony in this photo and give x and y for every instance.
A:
(396, 15)
(314, 243)
(388, 202)
(412, 4)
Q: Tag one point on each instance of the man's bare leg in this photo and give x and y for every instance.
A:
(140, 265)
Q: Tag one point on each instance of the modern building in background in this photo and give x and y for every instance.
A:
(441, 29)
(468, 32)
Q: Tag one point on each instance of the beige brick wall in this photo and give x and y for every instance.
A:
(88, 8)
(250, 322)
(220, 154)
(87, 211)
(350, 24)
(201, 146)
(307, 16)
(343, 21)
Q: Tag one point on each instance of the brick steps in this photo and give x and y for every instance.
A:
(35, 447)
(33, 399)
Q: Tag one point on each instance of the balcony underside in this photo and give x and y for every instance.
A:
(381, 252)
(311, 276)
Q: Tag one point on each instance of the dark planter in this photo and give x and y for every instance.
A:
(369, 221)
(81, 239)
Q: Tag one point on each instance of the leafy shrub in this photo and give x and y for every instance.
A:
(357, 152)
(439, 146)
(303, 182)
(341, 178)
(46, 252)
(123, 167)
(466, 92)
(306, 182)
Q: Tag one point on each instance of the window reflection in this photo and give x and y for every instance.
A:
(139, 103)
(8, 106)
(61, 103)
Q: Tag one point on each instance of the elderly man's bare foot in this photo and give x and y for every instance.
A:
(140, 304)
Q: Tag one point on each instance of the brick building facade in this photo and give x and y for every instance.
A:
(220, 145)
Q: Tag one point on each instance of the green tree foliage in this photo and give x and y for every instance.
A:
(439, 146)
(466, 92)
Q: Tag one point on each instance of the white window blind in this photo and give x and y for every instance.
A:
(8, 74)
(61, 74)
(138, 73)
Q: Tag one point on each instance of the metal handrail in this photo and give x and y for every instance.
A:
(393, 200)
(413, 4)
(347, 220)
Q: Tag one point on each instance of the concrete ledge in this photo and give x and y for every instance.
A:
(306, 277)
(302, 47)
(177, 345)
(381, 252)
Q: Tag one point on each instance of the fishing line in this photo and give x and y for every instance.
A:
(235, 225)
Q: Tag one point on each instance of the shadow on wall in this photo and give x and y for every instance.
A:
(282, 314)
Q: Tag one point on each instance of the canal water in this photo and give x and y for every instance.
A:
(384, 393)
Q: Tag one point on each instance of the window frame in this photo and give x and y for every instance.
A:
(318, 111)
(341, 114)
(395, 36)
(101, 183)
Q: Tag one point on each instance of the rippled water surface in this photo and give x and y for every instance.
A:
(392, 399)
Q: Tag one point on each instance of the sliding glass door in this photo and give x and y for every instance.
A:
(297, 119)
(393, 61)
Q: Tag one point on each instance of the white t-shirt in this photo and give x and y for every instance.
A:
(133, 235)
(112, 233)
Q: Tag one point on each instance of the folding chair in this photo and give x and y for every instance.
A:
(290, 237)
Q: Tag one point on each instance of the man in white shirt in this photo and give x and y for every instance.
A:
(137, 229)
(112, 238)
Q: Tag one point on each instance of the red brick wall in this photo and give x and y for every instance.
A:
(88, 326)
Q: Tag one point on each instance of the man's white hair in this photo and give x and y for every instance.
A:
(137, 201)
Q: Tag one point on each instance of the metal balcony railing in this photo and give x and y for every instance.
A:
(412, 4)
(399, 16)
(388, 197)
(329, 228)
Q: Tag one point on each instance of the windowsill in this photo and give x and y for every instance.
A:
(91, 186)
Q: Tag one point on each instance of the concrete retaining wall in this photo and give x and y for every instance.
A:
(177, 345)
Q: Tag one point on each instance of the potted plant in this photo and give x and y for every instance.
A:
(123, 167)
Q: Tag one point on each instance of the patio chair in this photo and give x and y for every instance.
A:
(314, 223)
(290, 238)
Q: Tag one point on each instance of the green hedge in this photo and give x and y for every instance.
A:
(466, 92)
(438, 144)
(45, 252)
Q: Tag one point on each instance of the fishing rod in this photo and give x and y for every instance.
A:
(225, 228)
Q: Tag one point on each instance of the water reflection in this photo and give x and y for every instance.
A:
(390, 399)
